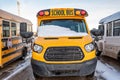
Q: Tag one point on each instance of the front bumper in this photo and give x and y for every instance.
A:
(48, 70)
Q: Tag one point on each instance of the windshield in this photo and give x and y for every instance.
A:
(61, 28)
(74, 25)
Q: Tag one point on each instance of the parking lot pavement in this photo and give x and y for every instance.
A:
(19, 70)
(25, 74)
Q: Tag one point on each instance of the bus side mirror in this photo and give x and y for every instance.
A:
(96, 32)
(23, 31)
(26, 34)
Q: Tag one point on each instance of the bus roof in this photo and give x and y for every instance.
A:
(110, 18)
(9, 16)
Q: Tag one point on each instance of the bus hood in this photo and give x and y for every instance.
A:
(63, 41)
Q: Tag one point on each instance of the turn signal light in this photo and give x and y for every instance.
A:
(77, 12)
(46, 13)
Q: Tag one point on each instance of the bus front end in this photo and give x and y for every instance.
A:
(64, 46)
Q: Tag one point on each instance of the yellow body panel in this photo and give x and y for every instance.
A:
(0, 45)
(17, 41)
(11, 50)
(9, 58)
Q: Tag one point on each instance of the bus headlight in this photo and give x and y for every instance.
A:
(37, 48)
(89, 47)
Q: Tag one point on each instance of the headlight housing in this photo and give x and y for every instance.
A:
(89, 47)
(37, 48)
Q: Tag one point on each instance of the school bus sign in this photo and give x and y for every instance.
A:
(62, 12)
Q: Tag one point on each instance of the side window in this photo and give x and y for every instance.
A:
(13, 29)
(116, 28)
(29, 28)
(6, 29)
(82, 27)
(18, 28)
(109, 29)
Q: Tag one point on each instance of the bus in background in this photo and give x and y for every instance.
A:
(109, 44)
(63, 46)
(11, 46)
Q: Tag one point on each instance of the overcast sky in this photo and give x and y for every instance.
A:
(97, 9)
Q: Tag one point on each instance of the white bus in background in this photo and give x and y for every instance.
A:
(109, 44)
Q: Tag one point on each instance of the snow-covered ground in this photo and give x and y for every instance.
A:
(106, 72)
(17, 70)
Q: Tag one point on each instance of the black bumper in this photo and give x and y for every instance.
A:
(48, 70)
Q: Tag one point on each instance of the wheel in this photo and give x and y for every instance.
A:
(98, 53)
(24, 53)
(90, 77)
(119, 56)
(37, 77)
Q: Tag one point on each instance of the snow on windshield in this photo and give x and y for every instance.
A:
(57, 31)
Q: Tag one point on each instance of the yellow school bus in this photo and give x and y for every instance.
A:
(11, 46)
(63, 46)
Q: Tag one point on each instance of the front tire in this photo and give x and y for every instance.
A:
(37, 77)
(119, 56)
(98, 53)
(24, 53)
(90, 77)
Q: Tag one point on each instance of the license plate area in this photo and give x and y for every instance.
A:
(63, 67)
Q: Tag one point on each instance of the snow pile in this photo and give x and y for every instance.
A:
(57, 31)
(107, 72)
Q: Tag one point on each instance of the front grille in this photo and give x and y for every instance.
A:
(63, 54)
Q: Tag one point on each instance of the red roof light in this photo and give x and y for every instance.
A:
(41, 13)
(82, 12)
